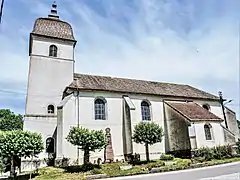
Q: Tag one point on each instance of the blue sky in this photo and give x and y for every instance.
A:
(192, 42)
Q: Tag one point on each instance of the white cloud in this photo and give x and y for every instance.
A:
(153, 40)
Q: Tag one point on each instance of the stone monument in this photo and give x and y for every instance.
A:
(108, 152)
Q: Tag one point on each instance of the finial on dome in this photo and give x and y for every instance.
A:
(54, 11)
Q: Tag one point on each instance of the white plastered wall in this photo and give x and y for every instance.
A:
(113, 121)
(48, 76)
(217, 132)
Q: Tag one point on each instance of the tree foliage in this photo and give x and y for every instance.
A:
(238, 123)
(10, 121)
(147, 133)
(87, 140)
(16, 144)
(20, 143)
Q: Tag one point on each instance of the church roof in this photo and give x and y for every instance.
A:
(193, 111)
(123, 85)
(53, 27)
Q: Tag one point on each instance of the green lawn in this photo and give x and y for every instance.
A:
(72, 173)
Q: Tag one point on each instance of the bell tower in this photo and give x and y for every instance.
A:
(51, 68)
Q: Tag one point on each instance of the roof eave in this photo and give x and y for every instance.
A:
(162, 95)
(53, 37)
(200, 120)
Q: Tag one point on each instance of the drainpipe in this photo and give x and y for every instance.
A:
(76, 94)
(223, 108)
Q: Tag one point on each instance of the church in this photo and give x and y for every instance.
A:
(58, 98)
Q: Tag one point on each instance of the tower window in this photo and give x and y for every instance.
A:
(50, 109)
(53, 51)
(100, 109)
(145, 108)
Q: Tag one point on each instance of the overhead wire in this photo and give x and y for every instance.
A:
(44, 95)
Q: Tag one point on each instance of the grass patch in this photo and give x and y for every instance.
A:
(113, 170)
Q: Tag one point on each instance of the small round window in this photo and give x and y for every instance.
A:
(206, 106)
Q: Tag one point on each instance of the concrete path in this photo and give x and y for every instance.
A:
(229, 171)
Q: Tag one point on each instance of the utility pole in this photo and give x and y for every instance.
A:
(223, 108)
(1, 11)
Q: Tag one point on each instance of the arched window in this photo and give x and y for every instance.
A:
(50, 145)
(145, 109)
(208, 131)
(206, 106)
(100, 109)
(50, 109)
(53, 51)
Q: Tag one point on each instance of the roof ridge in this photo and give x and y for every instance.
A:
(135, 79)
(53, 19)
(201, 90)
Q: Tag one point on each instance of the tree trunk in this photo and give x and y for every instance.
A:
(20, 169)
(147, 152)
(86, 156)
(12, 171)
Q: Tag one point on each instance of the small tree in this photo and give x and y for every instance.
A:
(148, 134)
(10, 121)
(87, 140)
(17, 144)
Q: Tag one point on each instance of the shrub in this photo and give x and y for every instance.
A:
(205, 152)
(64, 162)
(166, 157)
(96, 171)
(151, 165)
(238, 146)
(220, 152)
(217, 152)
(198, 159)
(182, 162)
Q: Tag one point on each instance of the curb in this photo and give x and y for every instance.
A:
(170, 172)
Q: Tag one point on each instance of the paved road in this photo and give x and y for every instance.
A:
(211, 173)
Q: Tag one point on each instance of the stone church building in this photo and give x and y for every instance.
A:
(59, 98)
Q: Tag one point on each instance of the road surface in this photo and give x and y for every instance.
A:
(219, 172)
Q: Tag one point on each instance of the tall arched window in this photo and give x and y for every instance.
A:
(208, 131)
(53, 51)
(50, 145)
(50, 109)
(100, 109)
(145, 109)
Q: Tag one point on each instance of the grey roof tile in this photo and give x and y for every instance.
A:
(123, 85)
(193, 111)
(53, 27)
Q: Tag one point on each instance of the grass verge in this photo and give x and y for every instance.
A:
(113, 170)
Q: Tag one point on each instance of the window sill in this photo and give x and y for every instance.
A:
(210, 140)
